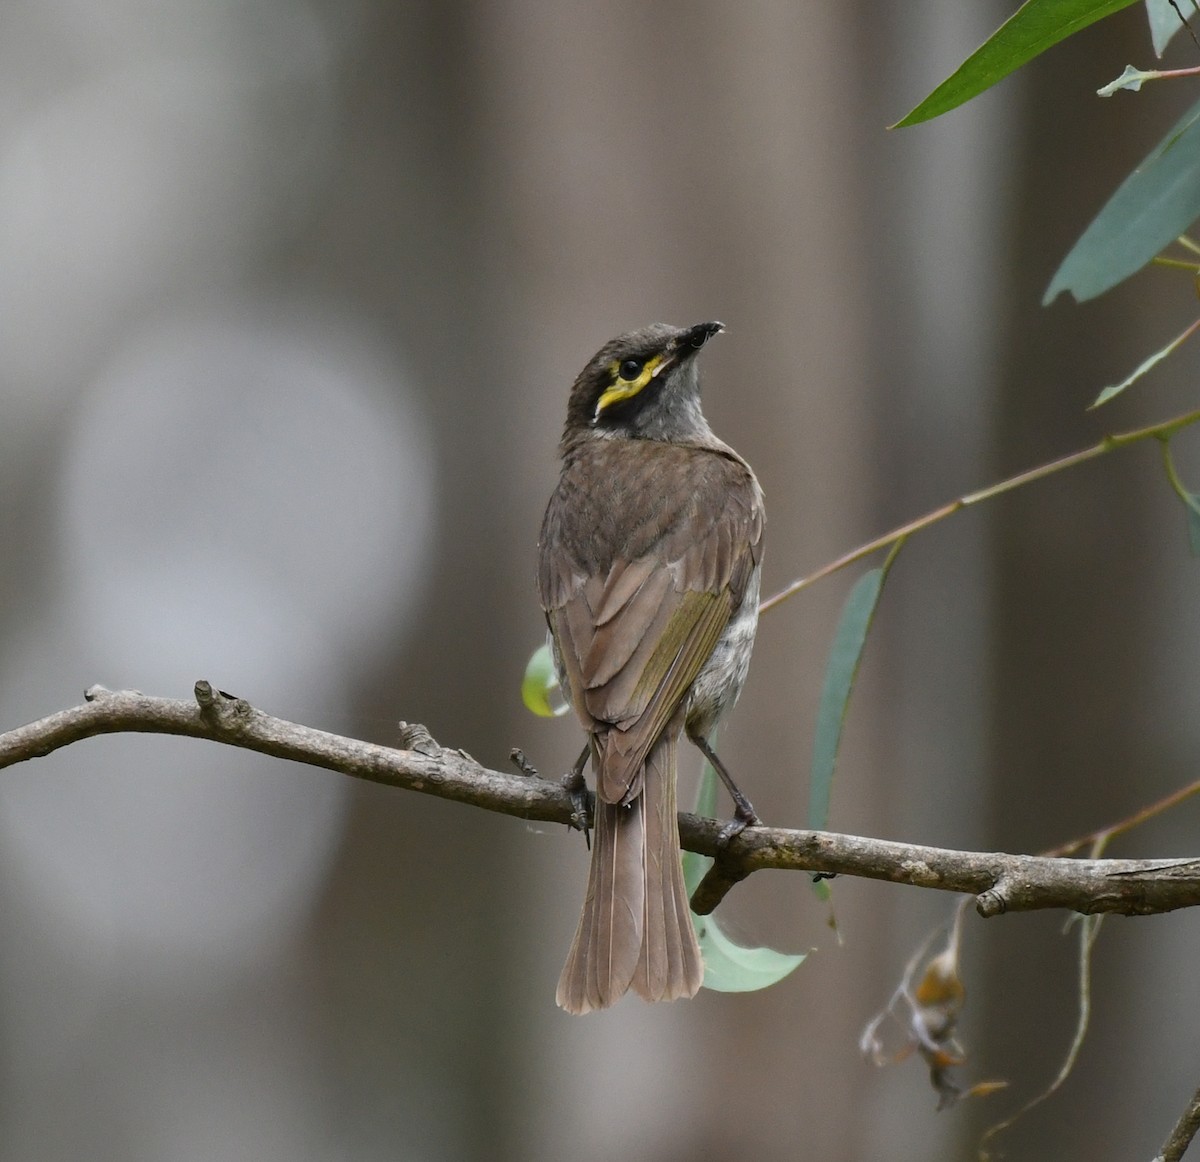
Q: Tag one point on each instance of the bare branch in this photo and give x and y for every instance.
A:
(1000, 882)
(219, 717)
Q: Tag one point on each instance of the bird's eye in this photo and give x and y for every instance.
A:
(631, 368)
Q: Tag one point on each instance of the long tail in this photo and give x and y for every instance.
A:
(635, 930)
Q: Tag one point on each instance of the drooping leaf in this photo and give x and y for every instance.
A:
(729, 967)
(1152, 206)
(840, 672)
(1115, 389)
(540, 683)
(1036, 26)
(1165, 22)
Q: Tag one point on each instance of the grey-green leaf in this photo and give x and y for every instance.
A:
(1152, 207)
(840, 672)
(1146, 364)
(1036, 26)
(1165, 22)
(728, 967)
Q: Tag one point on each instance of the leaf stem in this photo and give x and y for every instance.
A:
(1140, 816)
(1176, 263)
(1173, 476)
(1164, 74)
(1160, 431)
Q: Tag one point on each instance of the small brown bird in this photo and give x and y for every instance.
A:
(649, 564)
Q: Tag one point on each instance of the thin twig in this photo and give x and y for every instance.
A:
(1181, 1136)
(1176, 264)
(1159, 431)
(1089, 928)
(1140, 816)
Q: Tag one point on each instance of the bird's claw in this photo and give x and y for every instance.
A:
(581, 815)
(744, 816)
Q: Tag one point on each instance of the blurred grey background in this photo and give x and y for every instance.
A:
(291, 294)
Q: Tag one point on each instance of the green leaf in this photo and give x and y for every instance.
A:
(728, 967)
(1036, 26)
(840, 672)
(1152, 206)
(1141, 369)
(1165, 22)
(539, 683)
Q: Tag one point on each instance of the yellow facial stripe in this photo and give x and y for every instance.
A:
(626, 388)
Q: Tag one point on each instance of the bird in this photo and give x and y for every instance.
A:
(649, 565)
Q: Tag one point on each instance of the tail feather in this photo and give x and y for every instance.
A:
(635, 930)
(669, 966)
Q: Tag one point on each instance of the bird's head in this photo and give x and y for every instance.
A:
(642, 385)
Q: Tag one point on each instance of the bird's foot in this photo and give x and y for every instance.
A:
(576, 787)
(744, 816)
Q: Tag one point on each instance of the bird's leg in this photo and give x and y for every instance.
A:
(576, 787)
(743, 813)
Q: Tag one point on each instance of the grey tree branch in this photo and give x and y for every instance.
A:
(1000, 882)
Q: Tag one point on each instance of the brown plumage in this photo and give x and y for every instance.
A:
(648, 573)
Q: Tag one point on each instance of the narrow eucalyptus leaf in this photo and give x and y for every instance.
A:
(1036, 26)
(840, 672)
(1165, 22)
(1150, 209)
(1146, 364)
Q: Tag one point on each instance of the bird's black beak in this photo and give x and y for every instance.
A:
(687, 344)
(700, 334)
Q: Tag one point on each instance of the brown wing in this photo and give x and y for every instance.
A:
(638, 578)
